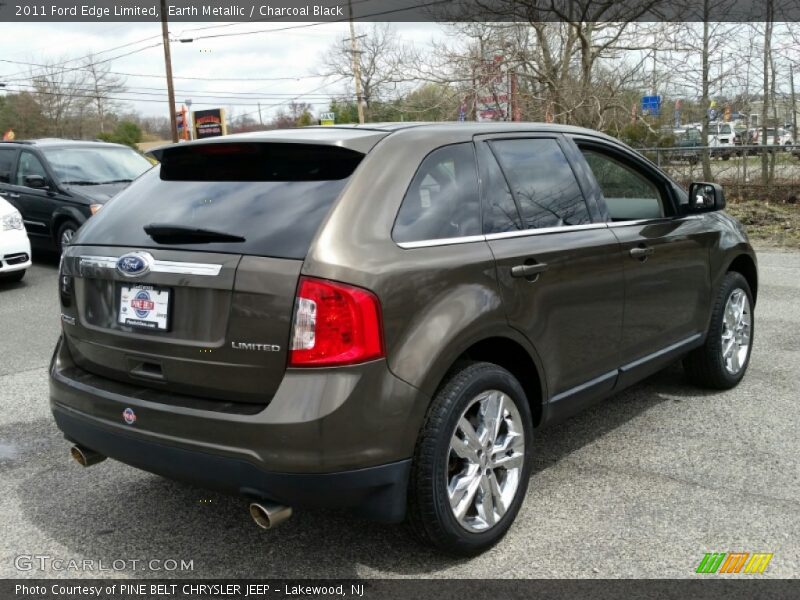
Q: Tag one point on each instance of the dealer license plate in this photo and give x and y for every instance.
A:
(144, 307)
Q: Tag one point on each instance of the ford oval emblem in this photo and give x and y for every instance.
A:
(129, 416)
(134, 264)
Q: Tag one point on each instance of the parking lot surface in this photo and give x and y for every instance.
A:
(641, 485)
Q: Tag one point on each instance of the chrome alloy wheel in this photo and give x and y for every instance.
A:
(737, 325)
(66, 237)
(484, 464)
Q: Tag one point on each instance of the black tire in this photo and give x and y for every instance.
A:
(12, 277)
(430, 516)
(66, 226)
(705, 366)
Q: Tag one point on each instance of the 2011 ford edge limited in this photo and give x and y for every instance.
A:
(379, 317)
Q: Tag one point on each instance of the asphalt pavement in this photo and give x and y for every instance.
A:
(642, 485)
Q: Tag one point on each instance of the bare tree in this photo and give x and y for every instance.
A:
(60, 92)
(382, 59)
(103, 86)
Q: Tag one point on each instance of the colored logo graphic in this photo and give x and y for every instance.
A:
(141, 304)
(134, 264)
(129, 416)
(734, 562)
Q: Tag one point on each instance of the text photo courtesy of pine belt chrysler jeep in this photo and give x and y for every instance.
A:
(379, 317)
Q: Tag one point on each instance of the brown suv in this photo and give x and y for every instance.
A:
(379, 317)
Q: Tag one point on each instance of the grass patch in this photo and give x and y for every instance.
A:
(774, 224)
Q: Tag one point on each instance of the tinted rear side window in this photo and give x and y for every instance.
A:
(442, 200)
(275, 196)
(542, 182)
(6, 162)
(500, 214)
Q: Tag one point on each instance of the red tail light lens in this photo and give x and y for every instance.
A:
(335, 324)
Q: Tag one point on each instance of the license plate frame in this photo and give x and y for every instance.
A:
(145, 307)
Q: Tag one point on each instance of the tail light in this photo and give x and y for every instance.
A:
(335, 324)
(65, 289)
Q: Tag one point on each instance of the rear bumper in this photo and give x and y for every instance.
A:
(375, 492)
(329, 438)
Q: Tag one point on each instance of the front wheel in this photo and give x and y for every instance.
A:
(66, 231)
(722, 361)
(472, 461)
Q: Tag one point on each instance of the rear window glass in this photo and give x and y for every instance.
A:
(275, 196)
(258, 162)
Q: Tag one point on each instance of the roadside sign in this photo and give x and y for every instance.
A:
(651, 105)
(327, 119)
(209, 123)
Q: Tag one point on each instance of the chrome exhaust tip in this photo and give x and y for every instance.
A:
(268, 514)
(85, 457)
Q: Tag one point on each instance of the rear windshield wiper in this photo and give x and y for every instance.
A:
(180, 234)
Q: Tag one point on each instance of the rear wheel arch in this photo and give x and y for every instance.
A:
(517, 360)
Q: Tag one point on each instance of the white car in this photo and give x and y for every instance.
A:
(15, 248)
(782, 138)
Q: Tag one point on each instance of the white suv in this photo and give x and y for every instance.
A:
(721, 138)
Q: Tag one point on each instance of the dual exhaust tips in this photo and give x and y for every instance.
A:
(266, 514)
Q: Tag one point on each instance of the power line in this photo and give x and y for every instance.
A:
(86, 93)
(81, 68)
(157, 76)
(90, 55)
(307, 25)
(93, 92)
(311, 95)
(257, 21)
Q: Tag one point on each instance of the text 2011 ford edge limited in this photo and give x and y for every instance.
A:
(379, 317)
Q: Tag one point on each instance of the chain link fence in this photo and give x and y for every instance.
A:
(737, 168)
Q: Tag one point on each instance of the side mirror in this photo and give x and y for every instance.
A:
(705, 197)
(35, 181)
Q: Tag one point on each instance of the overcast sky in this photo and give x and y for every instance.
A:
(290, 54)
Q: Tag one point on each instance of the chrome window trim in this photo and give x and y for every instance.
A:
(498, 236)
(466, 239)
(654, 220)
(159, 266)
(544, 231)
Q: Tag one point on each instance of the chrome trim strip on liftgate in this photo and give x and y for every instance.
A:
(159, 266)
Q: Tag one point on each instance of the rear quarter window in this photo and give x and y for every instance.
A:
(442, 201)
(275, 196)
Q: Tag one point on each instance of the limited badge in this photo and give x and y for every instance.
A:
(129, 416)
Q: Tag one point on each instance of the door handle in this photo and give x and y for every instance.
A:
(531, 270)
(11, 195)
(641, 252)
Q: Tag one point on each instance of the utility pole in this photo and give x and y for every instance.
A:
(168, 63)
(356, 62)
(188, 122)
(260, 119)
(794, 105)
